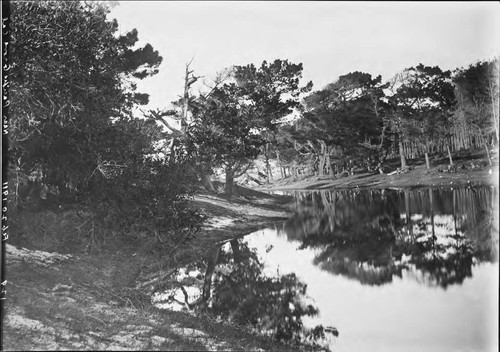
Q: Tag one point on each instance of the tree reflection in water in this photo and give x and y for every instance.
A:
(274, 305)
(433, 236)
(236, 289)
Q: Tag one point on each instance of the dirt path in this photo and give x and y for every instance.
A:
(249, 211)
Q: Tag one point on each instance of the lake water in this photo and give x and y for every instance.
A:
(384, 270)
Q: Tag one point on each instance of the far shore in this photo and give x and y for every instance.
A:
(466, 172)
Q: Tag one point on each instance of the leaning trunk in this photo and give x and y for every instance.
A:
(321, 166)
(449, 155)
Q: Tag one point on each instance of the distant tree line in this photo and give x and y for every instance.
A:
(356, 121)
(359, 120)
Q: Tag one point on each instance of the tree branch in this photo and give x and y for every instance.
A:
(158, 116)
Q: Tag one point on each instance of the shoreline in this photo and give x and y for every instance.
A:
(418, 177)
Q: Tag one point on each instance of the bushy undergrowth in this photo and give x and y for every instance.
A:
(150, 196)
(127, 194)
(146, 204)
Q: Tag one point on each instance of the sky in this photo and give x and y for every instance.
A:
(329, 38)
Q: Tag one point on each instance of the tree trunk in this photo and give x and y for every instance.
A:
(402, 153)
(228, 189)
(269, 173)
(322, 159)
(488, 154)
(328, 164)
(494, 103)
(294, 171)
(427, 160)
(426, 153)
(278, 160)
(171, 158)
(449, 155)
(207, 183)
(321, 165)
(205, 178)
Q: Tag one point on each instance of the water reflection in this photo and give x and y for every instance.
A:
(274, 304)
(372, 236)
(235, 288)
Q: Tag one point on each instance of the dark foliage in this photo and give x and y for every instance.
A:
(73, 138)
